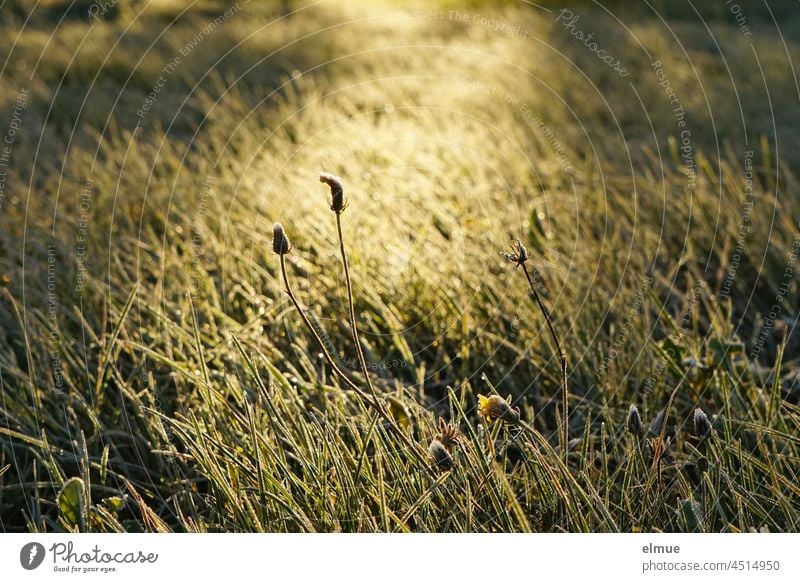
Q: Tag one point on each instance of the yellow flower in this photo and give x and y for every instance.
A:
(494, 407)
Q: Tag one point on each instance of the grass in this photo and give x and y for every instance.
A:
(156, 376)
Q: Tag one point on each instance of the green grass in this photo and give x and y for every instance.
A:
(165, 382)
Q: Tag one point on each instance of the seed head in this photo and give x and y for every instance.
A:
(634, 422)
(517, 253)
(494, 407)
(660, 450)
(280, 242)
(338, 203)
(702, 426)
(441, 457)
(448, 435)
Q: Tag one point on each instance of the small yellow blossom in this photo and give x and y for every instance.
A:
(494, 407)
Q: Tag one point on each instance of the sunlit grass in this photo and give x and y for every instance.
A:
(191, 395)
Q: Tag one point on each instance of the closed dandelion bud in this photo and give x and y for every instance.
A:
(494, 407)
(280, 242)
(702, 426)
(634, 422)
(441, 457)
(338, 203)
(655, 426)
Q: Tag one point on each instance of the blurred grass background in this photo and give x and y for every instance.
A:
(164, 369)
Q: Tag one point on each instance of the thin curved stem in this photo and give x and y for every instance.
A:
(563, 362)
(374, 403)
(352, 310)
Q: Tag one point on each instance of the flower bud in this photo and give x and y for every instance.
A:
(494, 407)
(338, 203)
(702, 426)
(441, 457)
(634, 422)
(280, 242)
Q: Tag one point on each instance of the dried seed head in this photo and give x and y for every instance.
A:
(448, 435)
(280, 242)
(634, 422)
(441, 457)
(517, 253)
(660, 450)
(702, 426)
(494, 407)
(338, 203)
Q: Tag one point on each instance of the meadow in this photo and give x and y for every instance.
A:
(638, 163)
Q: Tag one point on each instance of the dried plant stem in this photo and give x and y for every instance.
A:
(371, 401)
(563, 362)
(662, 434)
(352, 310)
